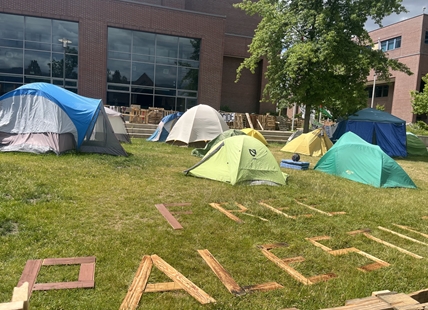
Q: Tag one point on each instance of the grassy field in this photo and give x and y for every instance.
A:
(94, 205)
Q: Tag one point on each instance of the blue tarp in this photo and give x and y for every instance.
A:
(376, 127)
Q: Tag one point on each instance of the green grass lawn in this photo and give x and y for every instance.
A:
(78, 205)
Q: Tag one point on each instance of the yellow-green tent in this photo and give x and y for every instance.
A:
(314, 143)
(255, 134)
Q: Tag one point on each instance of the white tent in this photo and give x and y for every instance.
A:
(118, 124)
(197, 126)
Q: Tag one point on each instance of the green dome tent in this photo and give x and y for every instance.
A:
(239, 160)
(355, 159)
(200, 152)
(415, 146)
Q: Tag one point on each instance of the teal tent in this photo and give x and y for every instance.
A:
(200, 152)
(355, 159)
(415, 146)
(239, 160)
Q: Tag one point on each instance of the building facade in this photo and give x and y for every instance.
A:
(170, 54)
(406, 41)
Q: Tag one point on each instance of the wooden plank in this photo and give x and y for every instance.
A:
(138, 285)
(392, 246)
(322, 277)
(249, 120)
(313, 208)
(270, 246)
(398, 300)
(241, 207)
(258, 122)
(87, 272)
(168, 216)
(276, 210)
(290, 260)
(359, 231)
(410, 229)
(179, 204)
(422, 306)
(68, 261)
(221, 273)
(225, 212)
(314, 241)
(20, 294)
(343, 251)
(400, 235)
(14, 305)
(252, 215)
(162, 287)
(178, 278)
(29, 274)
(421, 295)
(263, 287)
(291, 271)
(62, 285)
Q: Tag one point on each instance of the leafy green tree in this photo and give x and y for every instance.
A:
(420, 99)
(318, 51)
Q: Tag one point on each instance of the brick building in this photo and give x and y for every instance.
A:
(406, 41)
(153, 53)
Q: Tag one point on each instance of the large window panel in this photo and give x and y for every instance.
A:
(38, 29)
(189, 48)
(11, 26)
(114, 98)
(144, 101)
(119, 71)
(144, 43)
(65, 30)
(143, 74)
(119, 40)
(166, 76)
(37, 63)
(11, 61)
(168, 103)
(188, 78)
(166, 46)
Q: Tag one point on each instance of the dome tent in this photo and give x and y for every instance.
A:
(415, 146)
(200, 152)
(239, 160)
(118, 124)
(255, 134)
(355, 159)
(197, 126)
(165, 127)
(42, 117)
(314, 143)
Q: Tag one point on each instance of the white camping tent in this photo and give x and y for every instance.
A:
(41, 117)
(197, 126)
(118, 124)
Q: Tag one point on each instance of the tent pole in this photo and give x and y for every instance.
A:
(373, 90)
(292, 118)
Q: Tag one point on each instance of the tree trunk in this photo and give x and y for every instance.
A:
(308, 110)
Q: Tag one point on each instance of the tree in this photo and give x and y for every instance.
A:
(318, 51)
(420, 99)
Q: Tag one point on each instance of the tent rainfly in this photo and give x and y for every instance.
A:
(376, 127)
(355, 159)
(255, 134)
(314, 143)
(239, 160)
(197, 126)
(415, 146)
(41, 117)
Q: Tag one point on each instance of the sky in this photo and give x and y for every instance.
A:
(415, 7)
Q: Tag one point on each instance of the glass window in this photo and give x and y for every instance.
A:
(119, 71)
(62, 29)
(426, 37)
(119, 40)
(145, 101)
(115, 98)
(166, 46)
(11, 26)
(11, 60)
(166, 76)
(143, 74)
(391, 44)
(144, 43)
(168, 103)
(38, 29)
(37, 63)
(189, 48)
(188, 78)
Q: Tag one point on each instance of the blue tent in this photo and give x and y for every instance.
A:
(376, 127)
(164, 127)
(42, 117)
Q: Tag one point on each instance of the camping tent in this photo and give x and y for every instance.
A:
(197, 126)
(314, 143)
(239, 160)
(118, 124)
(415, 146)
(164, 127)
(200, 152)
(355, 159)
(255, 134)
(376, 127)
(41, 117)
